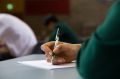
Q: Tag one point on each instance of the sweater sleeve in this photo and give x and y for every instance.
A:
(99, 56)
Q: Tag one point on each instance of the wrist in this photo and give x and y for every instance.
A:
(76, 49)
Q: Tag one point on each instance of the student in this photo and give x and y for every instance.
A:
(17, 35)
(99, 56)
(66, 33)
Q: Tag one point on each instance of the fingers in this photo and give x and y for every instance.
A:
(58, 49)
(48, 58)
(47, 47)
(48, 51)
(58, 61)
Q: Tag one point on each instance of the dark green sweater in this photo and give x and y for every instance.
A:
(99, 57)
(66, 33)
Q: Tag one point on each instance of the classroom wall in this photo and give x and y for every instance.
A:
(84, 17)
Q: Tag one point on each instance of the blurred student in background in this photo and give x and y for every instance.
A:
(17, 35)
(66, 33)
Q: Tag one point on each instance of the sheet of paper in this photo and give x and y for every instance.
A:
(45, 65)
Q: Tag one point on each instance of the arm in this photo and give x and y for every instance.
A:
(99, 56)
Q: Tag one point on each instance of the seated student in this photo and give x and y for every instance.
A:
(99, 56)
(17, 35)
(66, 33)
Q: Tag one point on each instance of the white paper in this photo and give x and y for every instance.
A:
(45, 65)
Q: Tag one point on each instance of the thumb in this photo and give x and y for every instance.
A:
(58, 49)
(58, 61)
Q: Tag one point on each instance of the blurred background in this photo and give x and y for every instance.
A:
(82, 15)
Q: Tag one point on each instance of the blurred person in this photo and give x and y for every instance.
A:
(17, 35)
(67, 34)
(99, 56)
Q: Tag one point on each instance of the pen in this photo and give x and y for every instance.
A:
(56, 42)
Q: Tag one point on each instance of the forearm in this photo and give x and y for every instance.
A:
(109, 29)
(95, 56)
(76, 47)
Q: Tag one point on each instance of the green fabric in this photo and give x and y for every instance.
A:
(66, 33)
(99, 57)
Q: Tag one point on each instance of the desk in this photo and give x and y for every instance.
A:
(10, 69)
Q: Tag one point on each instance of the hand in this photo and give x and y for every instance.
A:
(64, 52)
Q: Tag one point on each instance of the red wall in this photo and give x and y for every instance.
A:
(47, 6)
